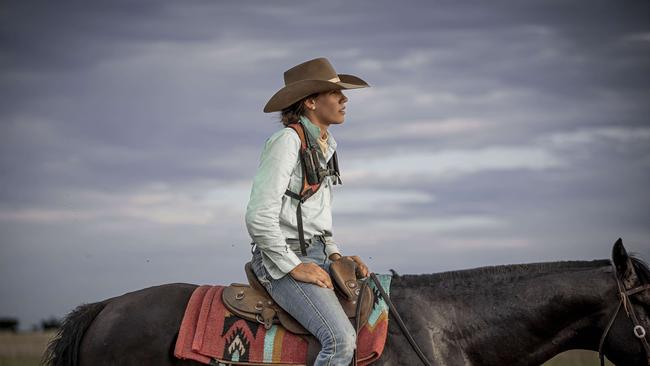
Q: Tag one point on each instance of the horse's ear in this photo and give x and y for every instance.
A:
(623, 264)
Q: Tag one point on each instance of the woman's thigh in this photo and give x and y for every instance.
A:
(316, 308)
(315, 254)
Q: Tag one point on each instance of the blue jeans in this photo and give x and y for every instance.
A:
(315, 308)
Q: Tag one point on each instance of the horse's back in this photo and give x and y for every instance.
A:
(137, 328)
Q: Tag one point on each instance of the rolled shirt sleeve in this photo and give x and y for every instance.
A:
(331, 247)
(278, 159)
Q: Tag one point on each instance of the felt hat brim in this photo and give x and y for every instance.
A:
(293, 92)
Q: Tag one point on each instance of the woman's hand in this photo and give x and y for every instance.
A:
(312, 273)
(361, 267)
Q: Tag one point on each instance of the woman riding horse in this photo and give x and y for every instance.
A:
(289, 213)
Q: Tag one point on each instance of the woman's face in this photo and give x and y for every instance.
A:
(330, 107)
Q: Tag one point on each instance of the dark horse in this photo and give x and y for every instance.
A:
(522, 314)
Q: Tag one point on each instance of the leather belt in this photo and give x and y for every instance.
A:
(295, 241)
(321, 238)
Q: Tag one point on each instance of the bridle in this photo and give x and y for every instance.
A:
(638, 329)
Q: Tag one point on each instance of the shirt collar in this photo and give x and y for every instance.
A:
(314, 134)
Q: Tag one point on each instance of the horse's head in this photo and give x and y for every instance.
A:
(626, 341)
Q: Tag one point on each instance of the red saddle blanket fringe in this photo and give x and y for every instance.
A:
(211, 334)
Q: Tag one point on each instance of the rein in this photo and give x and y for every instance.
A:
(638, 329)
(398, 318)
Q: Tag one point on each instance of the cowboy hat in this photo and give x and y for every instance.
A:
(313, 76)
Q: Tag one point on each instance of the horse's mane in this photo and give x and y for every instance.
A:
(525, 269)
(642, 269)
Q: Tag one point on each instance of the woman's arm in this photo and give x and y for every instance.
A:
(278, 159)
(331, 249)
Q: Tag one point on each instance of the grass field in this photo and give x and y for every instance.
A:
(25, 349)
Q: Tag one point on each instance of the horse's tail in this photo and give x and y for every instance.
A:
(63, 349)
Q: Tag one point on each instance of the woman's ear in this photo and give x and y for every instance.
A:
(623, 263)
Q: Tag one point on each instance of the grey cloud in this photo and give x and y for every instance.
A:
(119, 118)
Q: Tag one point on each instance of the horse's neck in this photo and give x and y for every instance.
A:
(514, 318)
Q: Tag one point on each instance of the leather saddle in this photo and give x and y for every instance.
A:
(252, 302)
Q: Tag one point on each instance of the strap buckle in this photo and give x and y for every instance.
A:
(639, 331)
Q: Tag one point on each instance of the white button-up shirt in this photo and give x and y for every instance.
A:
(271, 214)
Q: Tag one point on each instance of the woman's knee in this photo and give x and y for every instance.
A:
(349, 343)
(342, 341)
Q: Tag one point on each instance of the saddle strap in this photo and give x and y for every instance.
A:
(267, 317)
(400, 322)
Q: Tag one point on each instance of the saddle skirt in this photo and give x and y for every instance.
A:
(251, 301)
(211, 334)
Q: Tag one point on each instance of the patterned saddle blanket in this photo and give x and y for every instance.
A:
(211, 334)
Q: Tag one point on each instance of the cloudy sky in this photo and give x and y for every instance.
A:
(493, 133)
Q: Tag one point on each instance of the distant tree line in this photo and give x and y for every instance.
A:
(10, 324)
(51, 323)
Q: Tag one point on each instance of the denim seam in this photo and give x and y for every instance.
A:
(324, 252)
(319, 314)
(264, 278)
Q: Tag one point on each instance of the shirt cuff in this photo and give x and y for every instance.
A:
(285, 261)
(331, 248)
